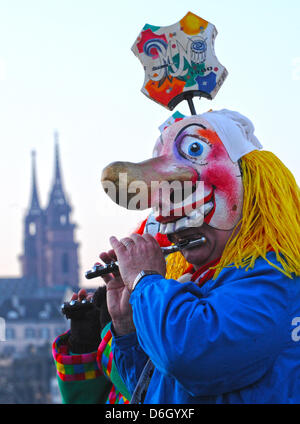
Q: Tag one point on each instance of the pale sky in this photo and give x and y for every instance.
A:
(68, 65)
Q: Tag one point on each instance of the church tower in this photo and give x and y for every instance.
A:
(61, 256)
(32, 260)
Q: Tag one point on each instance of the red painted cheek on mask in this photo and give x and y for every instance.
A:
(225, 182)
(217, 153)
(219, 172)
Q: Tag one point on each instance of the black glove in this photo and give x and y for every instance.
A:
(99, 300)
(88, 318)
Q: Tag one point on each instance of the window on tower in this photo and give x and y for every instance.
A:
(63, 219)
(65, 263)
(32, 229)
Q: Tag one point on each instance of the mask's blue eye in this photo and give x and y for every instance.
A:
(195, 149)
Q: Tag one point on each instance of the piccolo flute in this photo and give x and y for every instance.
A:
(77, 306)
(99, 270)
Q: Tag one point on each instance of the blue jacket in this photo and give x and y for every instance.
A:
(234, 340)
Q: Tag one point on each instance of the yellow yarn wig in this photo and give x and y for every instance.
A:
(271, 219)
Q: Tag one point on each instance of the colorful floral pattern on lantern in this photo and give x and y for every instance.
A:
(166, 91)
(179, 61)
(192, 24)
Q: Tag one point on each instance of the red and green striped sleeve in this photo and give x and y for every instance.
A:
(79, 378)
(86, 378)
(119, 393)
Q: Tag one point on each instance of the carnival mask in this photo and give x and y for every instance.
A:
(201, 172)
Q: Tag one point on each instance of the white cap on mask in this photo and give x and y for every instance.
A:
(235, 131)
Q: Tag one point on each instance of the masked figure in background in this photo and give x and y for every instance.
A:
(215, 323)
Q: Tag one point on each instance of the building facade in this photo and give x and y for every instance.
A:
(50, 253)
(30, 305)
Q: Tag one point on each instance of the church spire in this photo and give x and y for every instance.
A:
(61, 261)
(57, 195)
(57, 161)
(50, 251)
(34, 202)
(32, 259)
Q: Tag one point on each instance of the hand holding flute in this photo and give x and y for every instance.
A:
(113, 266)
(132, 254)
(117, 297)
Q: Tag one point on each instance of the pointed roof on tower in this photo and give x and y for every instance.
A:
(57, 194)
(57, 159)
(34, 206)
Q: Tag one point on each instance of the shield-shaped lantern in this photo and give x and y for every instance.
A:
(179, 61)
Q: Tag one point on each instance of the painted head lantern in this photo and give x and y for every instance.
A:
(194, 175)
(179, 61)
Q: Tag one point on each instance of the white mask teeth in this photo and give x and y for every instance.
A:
(181, 223)
(193, 219)
(170, 227)
(162, 228)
